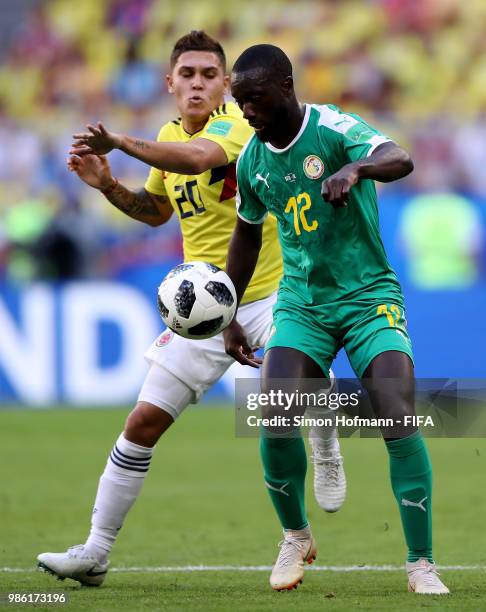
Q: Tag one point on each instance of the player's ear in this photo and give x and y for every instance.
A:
(226, 82)
(287, 85)
(170, 83)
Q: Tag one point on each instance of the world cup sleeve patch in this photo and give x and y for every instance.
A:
(219, 128)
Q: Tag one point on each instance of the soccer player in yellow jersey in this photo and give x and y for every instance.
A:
(193, 175)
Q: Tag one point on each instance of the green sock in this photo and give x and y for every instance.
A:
(285, 465)
(411, 479)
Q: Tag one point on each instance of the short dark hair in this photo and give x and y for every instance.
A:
(269, 58)
(197, 40)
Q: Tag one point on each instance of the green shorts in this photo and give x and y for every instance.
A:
(364, 328)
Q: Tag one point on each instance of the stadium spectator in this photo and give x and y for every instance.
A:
(415, 69)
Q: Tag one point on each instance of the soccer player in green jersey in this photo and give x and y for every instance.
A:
(313, 167)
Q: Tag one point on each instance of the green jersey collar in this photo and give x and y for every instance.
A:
(305, 121)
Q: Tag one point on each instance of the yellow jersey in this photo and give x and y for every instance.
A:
(205, 203)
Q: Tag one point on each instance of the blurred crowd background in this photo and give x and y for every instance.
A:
(414, 69)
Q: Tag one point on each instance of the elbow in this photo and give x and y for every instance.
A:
(157, 221)
(154, 222)
(406, 163)
(197, 160)
(198, 164)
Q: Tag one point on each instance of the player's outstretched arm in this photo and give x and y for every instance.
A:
(141, 205)
(192, 157)
(243, 254)
(387, 163)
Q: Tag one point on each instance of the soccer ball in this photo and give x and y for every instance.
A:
(196, 300)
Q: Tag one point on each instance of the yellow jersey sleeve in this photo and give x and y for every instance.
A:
(155, 180)
(227, 128)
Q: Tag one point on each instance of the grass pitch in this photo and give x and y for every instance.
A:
(204, 504)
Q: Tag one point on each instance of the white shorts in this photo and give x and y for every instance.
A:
(200, 363)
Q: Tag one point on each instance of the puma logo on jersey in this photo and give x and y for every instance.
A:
(259, 177)
(406, 502)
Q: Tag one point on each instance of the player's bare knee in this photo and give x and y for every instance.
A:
(394, 409)
(146, 423)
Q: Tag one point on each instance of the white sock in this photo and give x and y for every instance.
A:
(324, 436)
(119, 487)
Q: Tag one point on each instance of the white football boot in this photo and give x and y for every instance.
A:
(423, 578)
(76, 564)
(296, 548)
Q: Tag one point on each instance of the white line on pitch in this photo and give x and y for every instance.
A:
(259, 568)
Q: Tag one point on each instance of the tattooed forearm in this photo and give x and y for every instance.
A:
(132, 203)
(143, 205)
(140, 144)
(136, 204)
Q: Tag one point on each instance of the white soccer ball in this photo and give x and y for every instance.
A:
(196, 300)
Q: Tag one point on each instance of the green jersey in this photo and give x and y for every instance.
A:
(329, 254)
